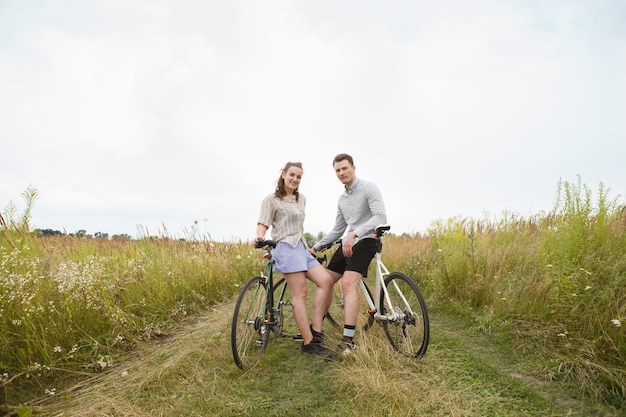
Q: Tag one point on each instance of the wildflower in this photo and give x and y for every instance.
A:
(238, 257)
(124, 374)
(549, 266)
(561, 334)
(588, 287)
(616, 322)
(57, 349)
(51, 391)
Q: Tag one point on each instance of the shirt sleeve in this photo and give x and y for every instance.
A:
(377, 208)
(267, 212)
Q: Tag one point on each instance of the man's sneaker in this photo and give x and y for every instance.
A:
(298, 337)
(315, 348)
(346, 346)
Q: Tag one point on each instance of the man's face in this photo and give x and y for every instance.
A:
(345, 172)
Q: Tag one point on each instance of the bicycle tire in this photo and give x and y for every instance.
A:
(249, 333)
(410, 334)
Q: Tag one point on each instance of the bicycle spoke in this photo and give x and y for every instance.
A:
(249, 335)
(409, 333)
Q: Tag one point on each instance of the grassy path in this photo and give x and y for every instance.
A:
(191, 373)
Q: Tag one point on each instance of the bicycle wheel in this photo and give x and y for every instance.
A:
(285, 323)
(249, 333)
(410, 333)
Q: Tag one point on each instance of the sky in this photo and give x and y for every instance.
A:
(174, 118)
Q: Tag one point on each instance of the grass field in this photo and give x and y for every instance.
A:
(548, 290)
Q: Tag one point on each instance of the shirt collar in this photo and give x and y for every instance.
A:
(352, 187)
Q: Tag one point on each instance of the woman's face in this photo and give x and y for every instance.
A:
(292, 178)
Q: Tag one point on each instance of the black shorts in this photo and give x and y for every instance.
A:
(362, 254)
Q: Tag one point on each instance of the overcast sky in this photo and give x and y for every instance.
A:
(153, 115)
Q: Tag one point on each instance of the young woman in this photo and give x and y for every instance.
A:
(283, 211)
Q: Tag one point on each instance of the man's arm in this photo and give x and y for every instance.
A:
(377, 208)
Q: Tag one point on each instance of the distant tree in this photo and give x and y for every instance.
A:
(312, 239)
(123, 236)
(100, 235)
(79, 233)
(48, 232)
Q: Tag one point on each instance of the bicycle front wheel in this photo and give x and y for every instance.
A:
(249, 333)
(409, 333)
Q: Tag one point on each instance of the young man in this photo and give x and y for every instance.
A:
(360, 210)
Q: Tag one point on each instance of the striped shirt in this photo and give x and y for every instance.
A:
(286, 218)
(360, 210)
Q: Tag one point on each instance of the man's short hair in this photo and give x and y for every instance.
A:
(342, 157)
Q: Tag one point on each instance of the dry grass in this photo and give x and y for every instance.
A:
(192, 373)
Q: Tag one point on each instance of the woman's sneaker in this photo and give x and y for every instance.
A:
(320, 335)
(315, 348)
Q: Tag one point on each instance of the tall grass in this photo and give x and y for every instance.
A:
(69, 304)
(555, 281)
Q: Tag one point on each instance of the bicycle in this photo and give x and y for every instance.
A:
(256, 316)
(261, 305)
(397, 305)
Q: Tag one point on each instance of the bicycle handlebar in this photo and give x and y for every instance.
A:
(263, 243)
(380, 230)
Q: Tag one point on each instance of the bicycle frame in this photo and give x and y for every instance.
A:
(381, 273)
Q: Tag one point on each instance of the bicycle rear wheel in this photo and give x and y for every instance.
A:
(249, 333)
(410, 333)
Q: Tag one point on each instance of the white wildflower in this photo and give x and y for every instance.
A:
(616, 322)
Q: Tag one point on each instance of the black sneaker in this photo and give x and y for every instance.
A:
(316, 335)
(315, 348)
(319, 335)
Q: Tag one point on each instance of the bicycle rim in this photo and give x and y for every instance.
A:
(410, 333)
(249, 334)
